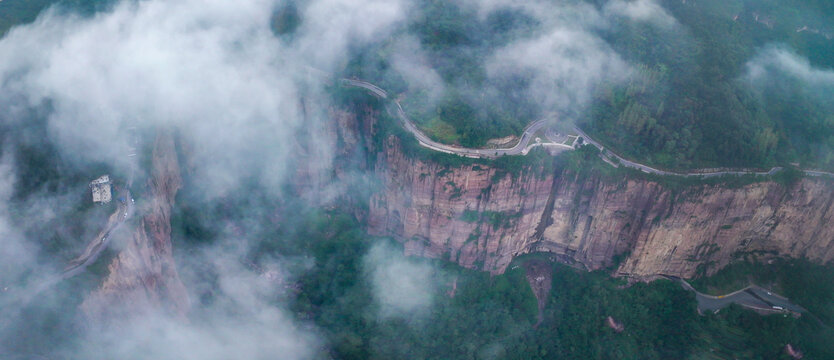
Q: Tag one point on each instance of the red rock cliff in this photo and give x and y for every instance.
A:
(479, 220)
(143, 277)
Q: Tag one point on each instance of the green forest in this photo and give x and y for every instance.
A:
(689, 102)
(471, 108)
(16, 12)
(687, 108)
(691, 106)
(495, 316)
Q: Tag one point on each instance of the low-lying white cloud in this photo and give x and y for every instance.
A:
(211, 69)
(779, 60)
(16, 255)
(331, 25)
(401, 286)
(243, 320)
(566, 58)
(410, 61)
(640, 10)
(566, 66)
(214, 73)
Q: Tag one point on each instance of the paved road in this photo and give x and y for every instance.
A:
(79, 264)
(522, 148)
(817, 173)
(524, 145)
(704, 173)
(123, 210)
(754, 297)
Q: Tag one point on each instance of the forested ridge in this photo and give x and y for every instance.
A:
(737, 83)
(693, 103)
(475, 315)
(495, 316)
(690, 104)
(692, 99)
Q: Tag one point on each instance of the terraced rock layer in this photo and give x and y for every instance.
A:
(480, 218)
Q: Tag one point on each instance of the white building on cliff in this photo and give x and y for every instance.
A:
(101, 189)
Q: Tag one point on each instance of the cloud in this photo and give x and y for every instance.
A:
(331, 25)
(566, 64)
(211, 69)
(241, 321)
(410, 61)
(640, 10)
(776, 60)
(564, 56)
(16, 254)
(270, 335)
(22, 268)
(402, 287)
(235, 94)
(795, 93)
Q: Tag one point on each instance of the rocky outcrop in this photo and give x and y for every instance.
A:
(471, 215)
(325, 160)
(143, 277)
(481, 218)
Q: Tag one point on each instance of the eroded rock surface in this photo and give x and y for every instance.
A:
(143, 277)
(481, 218)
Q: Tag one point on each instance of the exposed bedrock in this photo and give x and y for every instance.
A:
(476, 218)
(143, 277)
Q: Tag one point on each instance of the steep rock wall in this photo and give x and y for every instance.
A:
(478, 219)
(143, 277)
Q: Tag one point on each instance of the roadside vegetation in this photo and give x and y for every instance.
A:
(699, 110)
(583, 162)
(689, 104)
(807, 284)
(470, 108)
(537, 160)
(494, 316)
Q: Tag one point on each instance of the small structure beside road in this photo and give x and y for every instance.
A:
(101, 189)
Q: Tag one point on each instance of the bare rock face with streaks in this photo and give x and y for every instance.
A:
(481, 218)
(471, 215)
(143, 277)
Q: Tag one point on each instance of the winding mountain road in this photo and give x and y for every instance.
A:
(704, 173)
(524, 146)
(26, 294)
(753, 296)
(99, 243)
(124, 210)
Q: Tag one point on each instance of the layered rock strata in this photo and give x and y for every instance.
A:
(481, 218)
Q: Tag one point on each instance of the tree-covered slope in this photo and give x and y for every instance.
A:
(679, 85)
(735, 83)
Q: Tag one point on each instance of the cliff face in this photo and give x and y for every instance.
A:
(143, 277)
(324, 169)
(478, 219)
